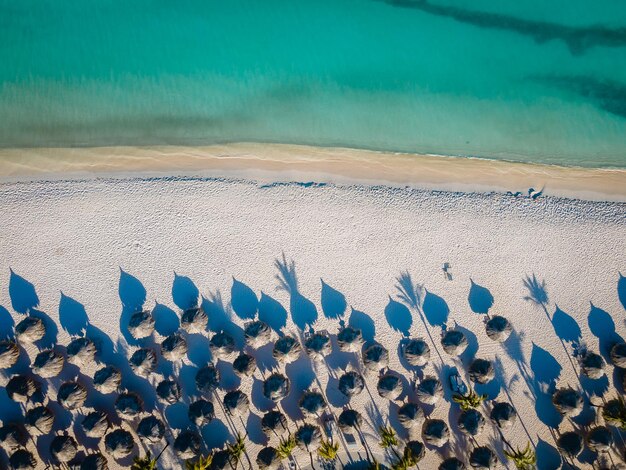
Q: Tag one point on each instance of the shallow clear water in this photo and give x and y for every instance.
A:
(528, 81)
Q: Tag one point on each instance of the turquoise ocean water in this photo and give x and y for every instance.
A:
(527, 81)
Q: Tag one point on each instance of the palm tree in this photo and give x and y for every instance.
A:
(469, 401)
(144, 463)
(237, 449)
(522, 459)
(328, 450)
(286, 446)
(203, 463)
(388, 439)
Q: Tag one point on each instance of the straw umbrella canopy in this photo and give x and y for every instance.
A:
(81, 351)
(311, 403)
(429, 390)
(236, 403)
(222, 345)
(128, 405)
(276, 387)
(21, 388)
(570, 443)
(498, 328)
(503, 414)
(194, 320)
(568, 402)
(416, 449)
(375, 357)
(9, 354)
(221, 460)
(481, 371)
(96, 424)
(351, 384)
(452, 463)
(141, 324)
(107, 379)
(71, 395)
(435, 432)
(483, 458)
(286, 349)
(48, 364)
(168, 391)
(22, 459)
(410, 415)
(274, 422)
(268, 458)
(389, 386)
(174, 347)
(600, 439)
(63, 448)
(257, 333)
(350, 339)
(244, 365)
(471, 422)
(207, 379)
(30, 329)
(39, 419)
(592, 365)
(318, 345)
(454, 342)
(119, 443)
(308, 437)
(151, 429)
(416, 352)
(95, 461)
(143, 361)
(201, 412)
(187, 444)
(12, 437)
(349, 419)
(618, 355)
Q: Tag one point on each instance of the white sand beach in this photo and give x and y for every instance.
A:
(85, 253)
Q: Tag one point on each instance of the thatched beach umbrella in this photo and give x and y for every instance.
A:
(308, 437)
(416, 352)
(568, 402)
(168, 391)
(143, 361)
(222, 459)
(351, 384)
(39, 420)
(12, 437)
(194, 320)
(30, 329)
(141, 324)
(286, 349)
(503, 414)
(375, 357)
(207, 379)
(570, 443)
(222, 345)
(71, 395)
(435, 432)
(389, 386)
(81, 351)
(274, 422)
(128, 405)
(119, 443)
(96, 424)
(187, 444)
(244, 365)
(318, 345)
(276, 387)
(483, 458)
(21, 388)
(599, 439)
(151, 429)
(63, 448)
(174, 347)
(415, 449)
(454, 342)
(201, 412)
(350, 339)
(9, 354)
(95, 461)
(48, 363)
(452, 463)
(349, 419)
(22, 459)
(429, 390)
(618, 355)
(236, 403)
(268, 458)
(471, 422)
(107, 379)
(481, 371)
(498, 328)
(257, 333)
(592, 365)
(410, 415)
(312, 403)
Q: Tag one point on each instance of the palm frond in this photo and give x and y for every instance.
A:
(286, 446)
(203, 463)
(469, 401)
(387, 437)
(144, 463)
(522, 459)
(328, 450)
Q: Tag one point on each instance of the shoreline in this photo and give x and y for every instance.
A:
(286, 162)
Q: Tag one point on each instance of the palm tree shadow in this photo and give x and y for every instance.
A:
(303, 311)
(243, 300)
(537, 291)
(480, 298)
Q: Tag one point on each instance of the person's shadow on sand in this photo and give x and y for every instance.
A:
(303, 311)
